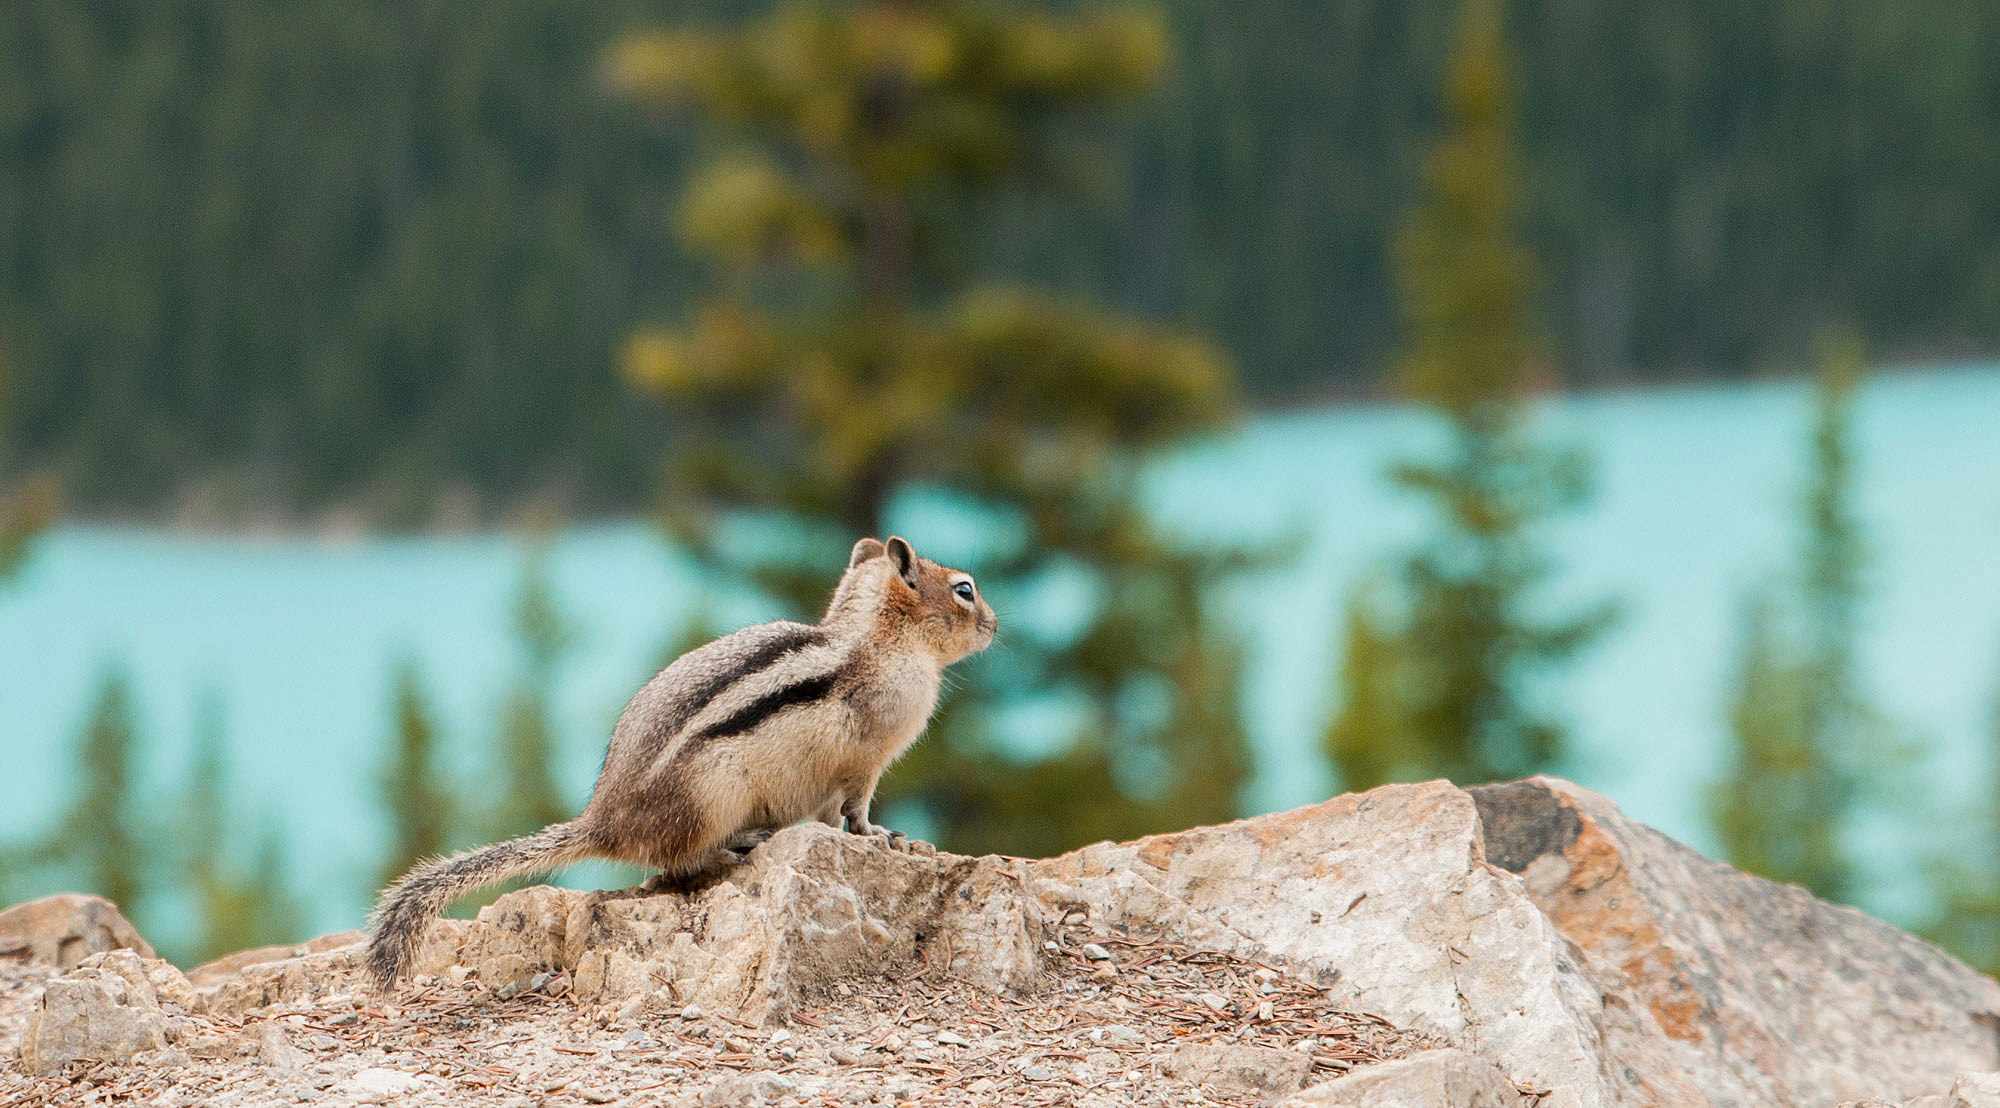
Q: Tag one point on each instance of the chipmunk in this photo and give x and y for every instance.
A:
(758, 730)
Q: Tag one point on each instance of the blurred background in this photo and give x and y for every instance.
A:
(1325, 394)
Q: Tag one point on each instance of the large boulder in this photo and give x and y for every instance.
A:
(1764, 993)
(64, 929)
(1386, 898)
(1588, 956)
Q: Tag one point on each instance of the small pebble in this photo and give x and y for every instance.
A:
(1266, 1010)
(594, 1096)
(691, 1012)
(1037, 1073)
(1215, 1001)
(1123, 1033)
(952, 1038)
(779, 1036)
(536, 982)
(344, 1019)
(1050, 946)
(1267, 989)
(787, 1053)
(1096, 953)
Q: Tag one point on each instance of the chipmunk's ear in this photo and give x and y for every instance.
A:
(864, 550)
(904, 559)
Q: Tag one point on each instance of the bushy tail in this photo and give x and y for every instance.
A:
(408, 906)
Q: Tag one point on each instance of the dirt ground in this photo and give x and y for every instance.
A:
(1124, 1022)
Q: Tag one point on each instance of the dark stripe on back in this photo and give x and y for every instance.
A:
(764, 707)
(758, 660)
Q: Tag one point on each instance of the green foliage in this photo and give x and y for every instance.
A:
(331, 248)
(1805, 738)
(323, 248)
(1774, 814)
(1967, 876)
(1445, 685)
(420, 812)
(528, 798)
(24, 511)
(238, 906)
(853, 350)
(101, 838)
(1368, 736)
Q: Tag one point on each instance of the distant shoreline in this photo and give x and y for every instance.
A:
(198, 509)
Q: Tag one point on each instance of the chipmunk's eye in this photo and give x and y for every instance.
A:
(964, 591)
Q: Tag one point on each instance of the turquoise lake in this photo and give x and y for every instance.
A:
(1694, 507)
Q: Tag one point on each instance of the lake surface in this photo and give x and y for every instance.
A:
(1694, 507)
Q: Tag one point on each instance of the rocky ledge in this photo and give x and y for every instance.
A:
(1416, 945)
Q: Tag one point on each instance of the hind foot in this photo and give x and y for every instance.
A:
(687, 879)
(743, 842)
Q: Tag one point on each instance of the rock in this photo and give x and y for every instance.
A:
(1574, 951)
(275, 1049)
(302, 979)
(1970, 1090)
(64, 929)
(230, 965)
(1761, 993)
(1386, 897)
(738, 1090)
(382, 1086)
(104, 1010)
(1591, 956)
(1260, 1071)
(1975, 1090)
(812, 906)
(1428, 1079)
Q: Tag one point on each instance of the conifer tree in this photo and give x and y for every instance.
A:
(236, 908)
(1804, 734)
(851, 352)
(420, 814)
(24, 511)
(1365, 737)
(1967, 873)
(1465, 648)
(529, 798)
(102, 835)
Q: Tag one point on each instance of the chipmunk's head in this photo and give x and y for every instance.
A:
(940, 606)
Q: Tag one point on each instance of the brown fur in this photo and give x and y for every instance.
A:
(759, 729)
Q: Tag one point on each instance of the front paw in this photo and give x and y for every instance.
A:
(899, 842)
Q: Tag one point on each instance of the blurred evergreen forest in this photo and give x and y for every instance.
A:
(355, 250)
